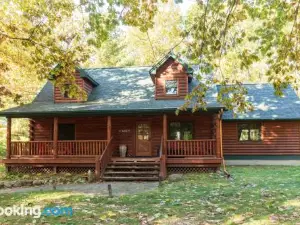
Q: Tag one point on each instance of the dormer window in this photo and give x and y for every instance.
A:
(171, 87)
(171, 77)
(83, 81)
(66, 90)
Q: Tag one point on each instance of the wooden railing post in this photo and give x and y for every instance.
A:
(8, 138)
(218, 135)
(97, 169)
(165, 133)
(108, 128)
(55, 137)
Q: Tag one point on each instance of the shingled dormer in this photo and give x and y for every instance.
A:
(171, 77)
(83, 80)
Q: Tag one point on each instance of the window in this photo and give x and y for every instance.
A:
(180, 131)
(171, 87)
(143, 131)
(66, 131)
(249, 131)
(66, 90)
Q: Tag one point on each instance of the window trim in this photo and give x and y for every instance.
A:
(176, 121)
(250, 141)
(165, 90)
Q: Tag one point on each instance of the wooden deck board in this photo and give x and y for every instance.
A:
(203, 161)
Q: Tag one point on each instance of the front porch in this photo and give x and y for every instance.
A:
(146, 137)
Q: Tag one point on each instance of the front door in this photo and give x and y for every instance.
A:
(143, 139)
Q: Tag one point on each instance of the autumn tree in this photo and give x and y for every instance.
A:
(228, 39)
(48, 39)
(130, 45)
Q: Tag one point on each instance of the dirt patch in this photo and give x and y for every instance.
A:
(118, 188)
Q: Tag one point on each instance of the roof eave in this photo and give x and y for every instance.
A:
(99, 112)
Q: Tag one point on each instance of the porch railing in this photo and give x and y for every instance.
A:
(103, 160)
(19, 148)
(181, 148)
(64, 148)
(81, 147)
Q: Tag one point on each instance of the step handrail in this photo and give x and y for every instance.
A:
(103, 160)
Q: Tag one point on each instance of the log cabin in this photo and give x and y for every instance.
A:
(127, 128)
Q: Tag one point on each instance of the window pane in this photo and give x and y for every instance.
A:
(171, 87)
(66, 131)
(175, 131)
(143, 131)
(244, 135)
(187, 131)
(67, 90)
(254, 134)
(180, 131)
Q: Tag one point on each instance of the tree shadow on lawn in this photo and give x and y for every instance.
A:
(256, 195)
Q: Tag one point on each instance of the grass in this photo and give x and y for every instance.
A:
(2, 149)
(256, 195)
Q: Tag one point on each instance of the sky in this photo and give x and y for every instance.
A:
(185, 5)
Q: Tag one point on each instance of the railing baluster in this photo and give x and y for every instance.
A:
(193, 148)
(202, 147)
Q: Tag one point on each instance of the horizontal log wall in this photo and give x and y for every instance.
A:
(87, 86)
(86, 128)
(171, 70)
(83, 83)
(278, 138)
(42, 129)
(123, 129)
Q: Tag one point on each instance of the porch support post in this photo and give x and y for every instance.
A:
(218, 135)
(165, 133)
(8, 138)
(108, 128)
(55, 137)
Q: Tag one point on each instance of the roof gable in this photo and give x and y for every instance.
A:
(82, 74)
(170, 55)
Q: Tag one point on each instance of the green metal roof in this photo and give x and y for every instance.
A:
(83, 74)
(120, 90)
(130, 90)
(268, 106)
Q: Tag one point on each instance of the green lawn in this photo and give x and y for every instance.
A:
(2, 150)
(256, 195)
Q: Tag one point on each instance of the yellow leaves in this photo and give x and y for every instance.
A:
(108, 216)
